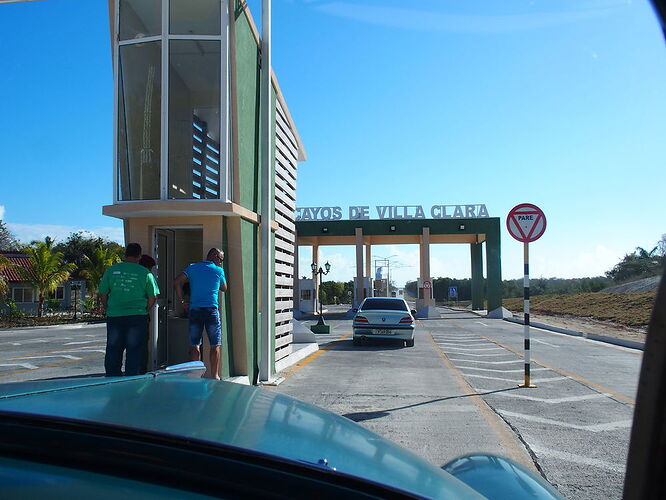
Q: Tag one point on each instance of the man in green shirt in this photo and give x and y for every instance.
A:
(128, 291)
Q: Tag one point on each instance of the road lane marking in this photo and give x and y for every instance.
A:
(481, 355)
(84, 350)
(312, 357)
(461, 343)
(582, 380)
(481, 323)
(24, 365)
(577, 459)
(66, 356)
(568, 399)
(518, 370)
(47, 352)
(542, 342)
(55, 365)
(540, 380)
(488, 362)
(81, 342)
(509, 442)
(602, 427)
(474, 349)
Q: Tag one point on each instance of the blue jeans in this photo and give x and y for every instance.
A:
(125, 333)
(208, 317)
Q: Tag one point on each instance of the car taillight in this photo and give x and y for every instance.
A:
(407, 319)
(360, 319)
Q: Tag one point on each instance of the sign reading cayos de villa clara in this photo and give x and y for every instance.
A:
(390, 212)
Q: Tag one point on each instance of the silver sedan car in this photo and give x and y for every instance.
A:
(384, 318)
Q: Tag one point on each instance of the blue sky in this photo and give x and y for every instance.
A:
(560, 104)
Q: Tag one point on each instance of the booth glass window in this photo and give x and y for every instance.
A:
(139, 19)
(194, 17)
(194, 119)
(139, 129)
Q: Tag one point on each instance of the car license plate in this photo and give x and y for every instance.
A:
(384, 331)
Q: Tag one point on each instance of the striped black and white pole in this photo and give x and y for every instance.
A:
(526, 311)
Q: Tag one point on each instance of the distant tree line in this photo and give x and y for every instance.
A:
(80, 256)
(336, 292)
(641, 263)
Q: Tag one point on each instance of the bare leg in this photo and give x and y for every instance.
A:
(195, 353)
(215, 362)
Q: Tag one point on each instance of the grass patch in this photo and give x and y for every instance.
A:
(629, 309)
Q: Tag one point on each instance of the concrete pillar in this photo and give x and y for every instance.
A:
(425, 306)
(359, 266)
(368, 261)
(476, 254)
(297, 291)
(425, 254)
(494, 270)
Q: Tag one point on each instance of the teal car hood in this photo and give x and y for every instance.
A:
(235, 415)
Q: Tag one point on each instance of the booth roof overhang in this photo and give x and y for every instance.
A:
(396, 231)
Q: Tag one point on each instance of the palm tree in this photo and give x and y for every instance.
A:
(47, 270)
(92, 268)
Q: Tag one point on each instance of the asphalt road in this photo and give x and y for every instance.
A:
(456, 392)
(52, 352)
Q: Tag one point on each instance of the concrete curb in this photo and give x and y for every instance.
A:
(632, 344)
(303, 351)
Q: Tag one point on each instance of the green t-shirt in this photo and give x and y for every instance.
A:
(128, 285)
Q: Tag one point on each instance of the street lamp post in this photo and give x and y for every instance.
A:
(320, 327)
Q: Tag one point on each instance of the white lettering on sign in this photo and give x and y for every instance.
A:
(318, 213)
(393, 212)
(360, 212)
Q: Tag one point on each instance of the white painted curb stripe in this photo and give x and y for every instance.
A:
(609, 426)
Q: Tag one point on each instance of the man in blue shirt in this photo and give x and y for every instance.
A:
(206, 279)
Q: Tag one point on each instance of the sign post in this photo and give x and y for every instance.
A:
(526, 223)
(453, 293)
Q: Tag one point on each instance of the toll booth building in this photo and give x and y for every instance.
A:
(187, 168)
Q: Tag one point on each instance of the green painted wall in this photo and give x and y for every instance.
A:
(225, 310)
(251, 255)
(247, 106)
(476, 257)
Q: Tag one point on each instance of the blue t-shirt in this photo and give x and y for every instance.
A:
(205, 281)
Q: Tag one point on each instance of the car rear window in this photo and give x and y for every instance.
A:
(384, 305)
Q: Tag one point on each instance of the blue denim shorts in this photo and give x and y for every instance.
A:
(208, 317)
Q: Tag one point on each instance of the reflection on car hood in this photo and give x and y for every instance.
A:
(236, 415)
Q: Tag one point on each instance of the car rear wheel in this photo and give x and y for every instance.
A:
(409, 343)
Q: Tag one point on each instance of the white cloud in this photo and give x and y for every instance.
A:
(29, 232)
(2, 212)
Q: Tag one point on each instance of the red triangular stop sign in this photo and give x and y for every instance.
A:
(526, 222)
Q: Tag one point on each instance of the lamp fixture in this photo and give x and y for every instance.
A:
(461, 227)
